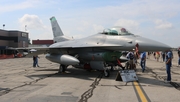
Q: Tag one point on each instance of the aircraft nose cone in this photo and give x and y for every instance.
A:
(151, 45)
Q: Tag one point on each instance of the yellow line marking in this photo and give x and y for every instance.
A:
(139, 91)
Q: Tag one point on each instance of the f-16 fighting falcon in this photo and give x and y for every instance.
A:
(97, 51)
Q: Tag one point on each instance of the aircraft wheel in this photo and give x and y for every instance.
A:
(106, 73)
(62, 68)
(112, 68)
(89, 70)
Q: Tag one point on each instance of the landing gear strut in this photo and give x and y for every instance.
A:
(119, 64)
(112, 68)
(62, 68)
(106, 73)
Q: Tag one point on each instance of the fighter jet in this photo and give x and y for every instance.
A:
(96, 51)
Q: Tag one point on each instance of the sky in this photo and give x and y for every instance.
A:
(154, 19)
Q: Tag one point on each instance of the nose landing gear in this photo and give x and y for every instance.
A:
(106, 73)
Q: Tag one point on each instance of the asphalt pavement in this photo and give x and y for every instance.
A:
(20, 82)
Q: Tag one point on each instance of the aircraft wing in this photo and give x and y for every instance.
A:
(43, 50)
(29, 48)
(32, 50)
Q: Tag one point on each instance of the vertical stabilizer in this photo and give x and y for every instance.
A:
(55, 27)
(57, 32)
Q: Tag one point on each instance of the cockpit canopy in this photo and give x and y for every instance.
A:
(116, 31)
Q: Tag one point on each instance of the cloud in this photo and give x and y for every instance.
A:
(18, 6)
(126, 23)
(88, 28)
(84, 26)
(79, 21)
(164, 26)
(98, 28)
(153, 9)
(31, 21)
(35, 27)
(161, 24)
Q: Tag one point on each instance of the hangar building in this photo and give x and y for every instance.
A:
(14, 39)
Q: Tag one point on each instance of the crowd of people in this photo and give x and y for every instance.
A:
(166, 56)
(132, 57)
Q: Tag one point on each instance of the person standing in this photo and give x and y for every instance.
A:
(157, 56)
(148, 57)
(143, 61)
(168, 66)
(34, 61)
(130, 64)
(154, 53)
(179, 56)
(163, 56)
(37, 61)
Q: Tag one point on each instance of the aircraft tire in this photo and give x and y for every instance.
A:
(62, 68)
(89, 70)
(106, 73)
(112, 68)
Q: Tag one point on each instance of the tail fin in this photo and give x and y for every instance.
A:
(57, 32)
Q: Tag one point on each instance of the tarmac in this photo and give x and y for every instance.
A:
(20, 82)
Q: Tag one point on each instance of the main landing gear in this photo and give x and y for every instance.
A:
(107, 71)
(62, 68)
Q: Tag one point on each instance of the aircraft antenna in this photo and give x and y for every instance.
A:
(3, 26)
